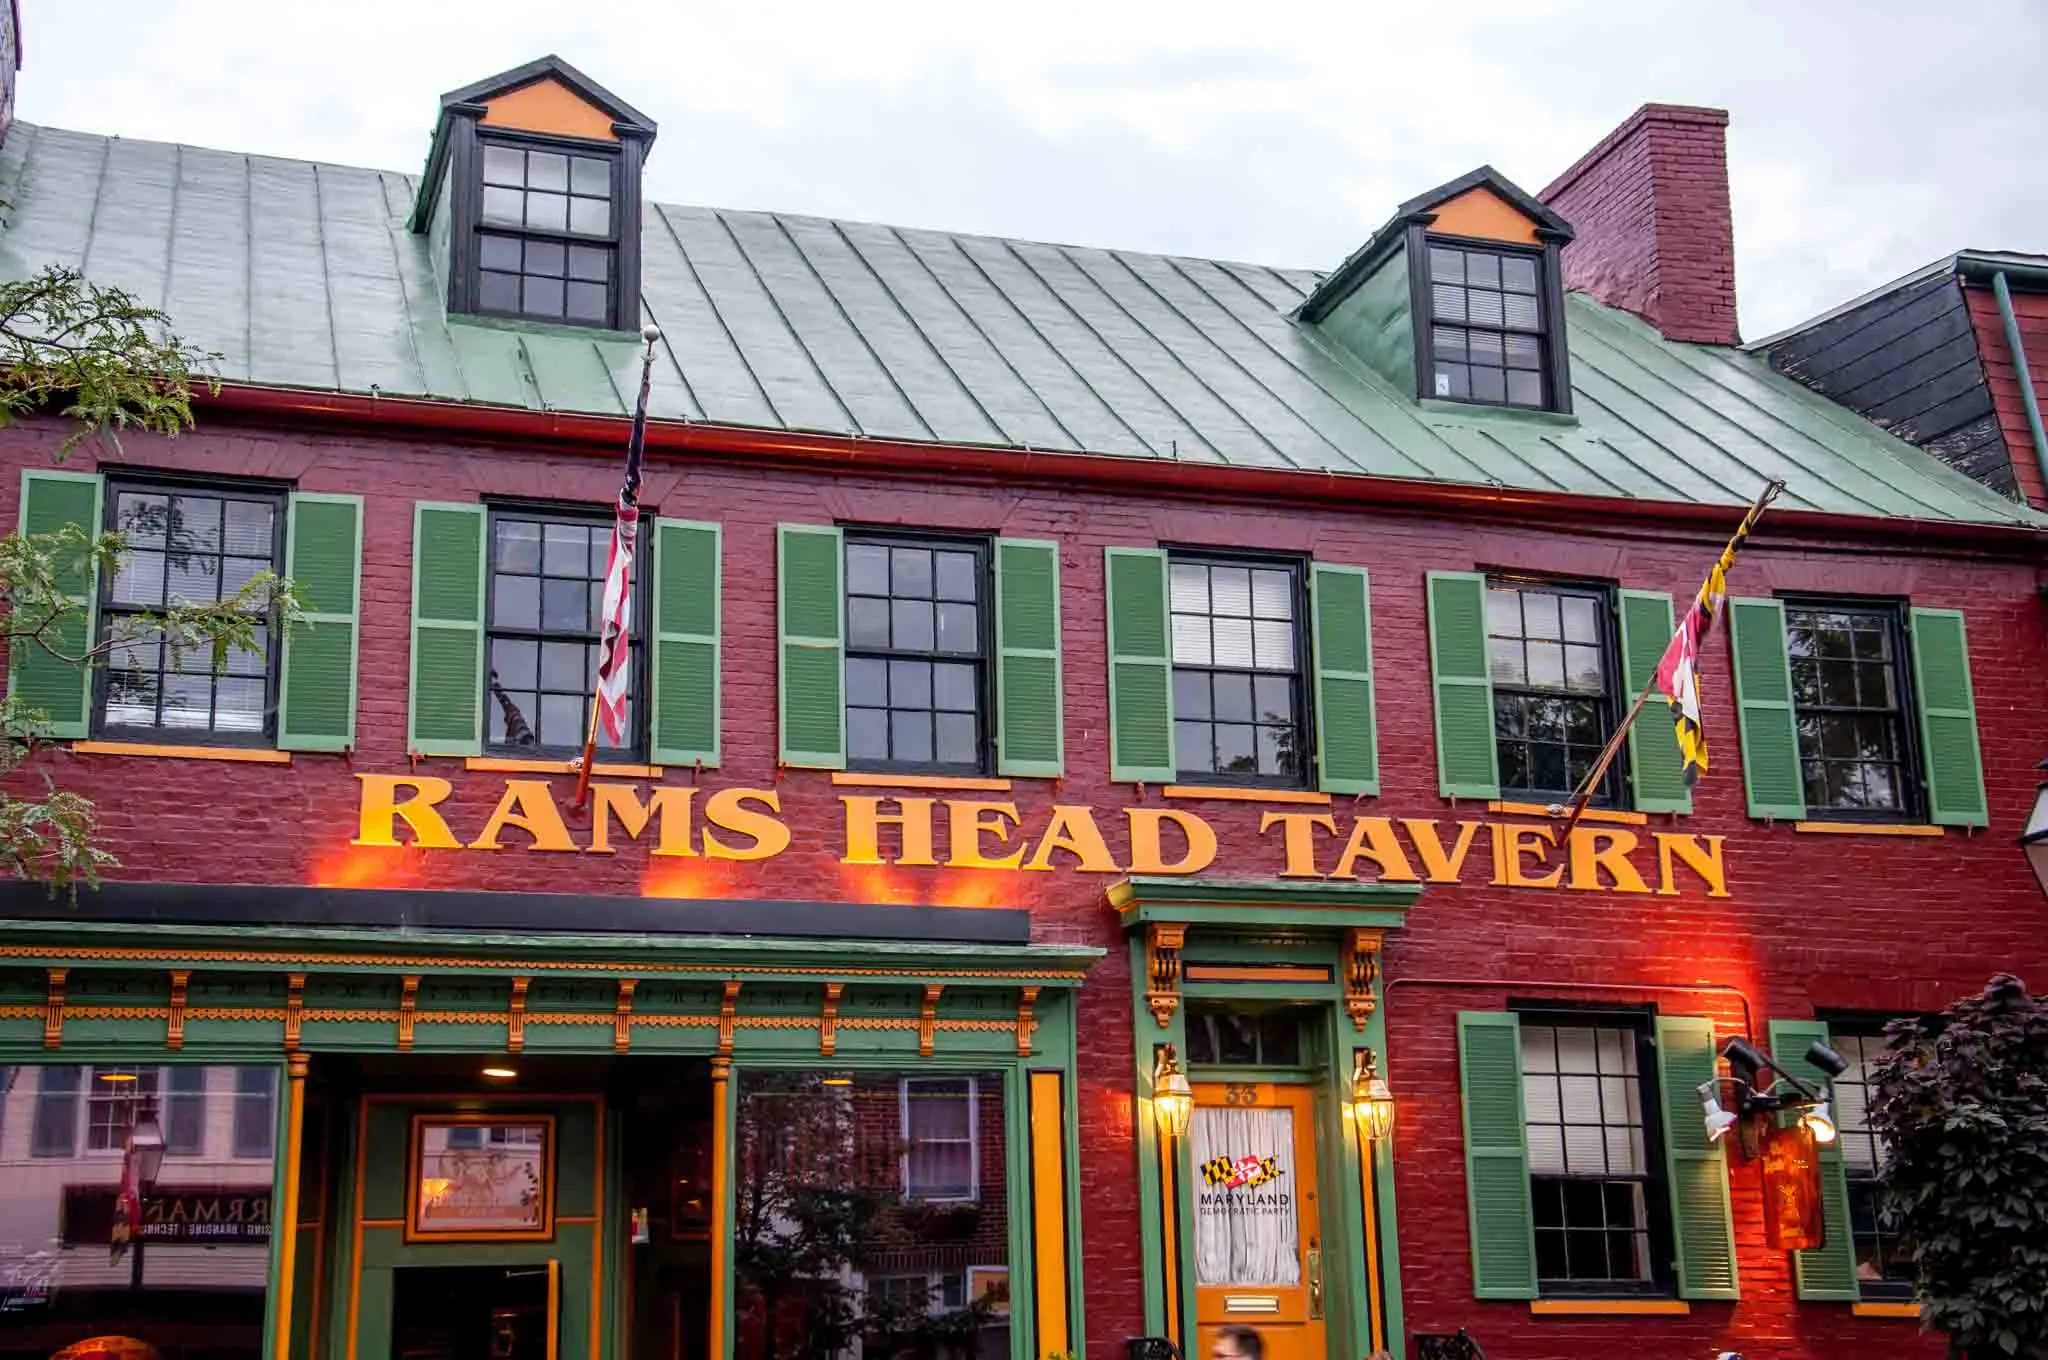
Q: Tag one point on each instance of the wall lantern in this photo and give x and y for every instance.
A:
(1372, 1103)
(146, 1148)
(2035, 839)
(1173, 1100)
(1749, 1105)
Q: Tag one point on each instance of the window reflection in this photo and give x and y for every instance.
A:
(194, 1287)
(871, 1217)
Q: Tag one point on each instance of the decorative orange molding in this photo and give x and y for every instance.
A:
(928, 1019)
(174, 1030)
(1609, 1307)
(1878, 1309)
(408, 1006)
(294, 1011)
(919, 781)
(1162, 969)
(1252, 972)
(1237, 795)
(515, 1016)
(1589, 815)
(1026, 1021)
(1866, 829)
(53, 1010)
(241, 754)
(506, 765)
(728, 1007)
(1361, 971)
(828, 1020)
(622, 1016)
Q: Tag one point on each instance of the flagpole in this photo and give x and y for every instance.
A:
(1593, 777)
(650, 336)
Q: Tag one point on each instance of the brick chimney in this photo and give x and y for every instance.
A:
(1655, 234)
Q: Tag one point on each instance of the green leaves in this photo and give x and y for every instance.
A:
(96, 356)
(1961, 1099)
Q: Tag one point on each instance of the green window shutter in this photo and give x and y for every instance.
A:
(1347, 739)
(1763, 699)
(1655, 766)
(447, 629)
(1828, 1273)
(1140, 667)
(1496, 1156)
(1030, 738)
(683, 684)
(317, 689)
(60, 690)
(1467, 761)
(811, 613)
(1948, 719)
(1702, 1229)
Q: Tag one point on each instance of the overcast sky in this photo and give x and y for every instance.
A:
(1868, 138)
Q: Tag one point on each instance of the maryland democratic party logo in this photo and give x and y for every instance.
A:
(1242, 1173)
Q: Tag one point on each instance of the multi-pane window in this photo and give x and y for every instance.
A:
(58, 1093)
(255, 1124)
(117, 1096)
(1590, 1174)
(1237, 694)
(916, 654)
(547, 248)
(1881, 1270)
(1848, 696)
(1549, 650)
(1486, 334)
(545, 622)
(187, 546)
(940, 1147)
(184, 1109)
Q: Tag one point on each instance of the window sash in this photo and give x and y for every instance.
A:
(928, 1172)
(496, 631)
(1897, 716)
(1543, 333)
(981, 659)
(612, 239)
(111, 612)
(255, 1117)
(1607, 700)
(1297, 674)
(58, 1098)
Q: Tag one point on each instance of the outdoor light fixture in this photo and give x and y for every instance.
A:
(146, 1147)
(1372, 1103)
(500, 1073)
(1719, 1121)
(1173, 1100)
(1757, 1091)
(2034, 840)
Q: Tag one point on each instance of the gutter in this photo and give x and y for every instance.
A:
(602, 436)
(2021, 371)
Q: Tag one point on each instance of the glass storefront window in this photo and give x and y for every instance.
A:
(191, 1283)
(871, 1216)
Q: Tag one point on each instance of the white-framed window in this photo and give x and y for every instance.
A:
(91, 1110)
(941, 1124)
(919, 1292)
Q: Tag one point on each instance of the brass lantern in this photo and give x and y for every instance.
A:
(1173, 1100)
(1372, 1103)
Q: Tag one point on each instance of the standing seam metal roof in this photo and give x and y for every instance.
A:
(304, 275)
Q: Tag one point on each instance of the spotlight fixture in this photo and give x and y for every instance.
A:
(1826, 1059)
(1718, 1120)
(1820, 1120)
(501, 1073)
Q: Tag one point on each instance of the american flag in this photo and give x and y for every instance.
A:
(615, 650)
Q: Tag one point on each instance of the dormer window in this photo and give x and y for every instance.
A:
(1487, 337)
(547, 244)
(531, 199)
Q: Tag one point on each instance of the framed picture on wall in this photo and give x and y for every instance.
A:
(481, 1178)
(990, 1285)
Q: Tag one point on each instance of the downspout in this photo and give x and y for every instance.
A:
(2020, 369)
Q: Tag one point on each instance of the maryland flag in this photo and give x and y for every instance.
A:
(1678, 674)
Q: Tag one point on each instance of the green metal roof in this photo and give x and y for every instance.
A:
(303, 275)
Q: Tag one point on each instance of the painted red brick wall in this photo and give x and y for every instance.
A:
(1812, 921)
(2002, 375)
(1655, 232)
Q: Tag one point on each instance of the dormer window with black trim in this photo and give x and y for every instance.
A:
(547, 239)
(531, 197)
(1459, 297)
(1487, 336)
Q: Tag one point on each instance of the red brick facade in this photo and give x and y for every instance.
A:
(1655, 233)
(1877, 924)
(2002, 376)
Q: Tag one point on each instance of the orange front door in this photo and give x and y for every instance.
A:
(1257, 1226)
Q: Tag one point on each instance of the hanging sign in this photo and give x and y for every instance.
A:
(1793, 1220)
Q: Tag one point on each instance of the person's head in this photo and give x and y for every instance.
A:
(1238, 1343)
